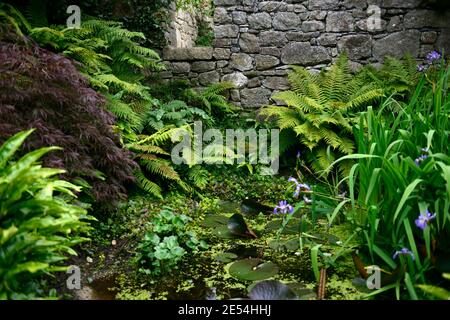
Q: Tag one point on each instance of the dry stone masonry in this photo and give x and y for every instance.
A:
(257, 41)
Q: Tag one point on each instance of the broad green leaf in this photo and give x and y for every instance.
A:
(408, 191)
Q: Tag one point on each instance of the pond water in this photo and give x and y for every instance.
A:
(235, 261)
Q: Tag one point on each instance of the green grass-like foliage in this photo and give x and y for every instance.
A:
(166, 242)
(39, 224)
(321, 109)
(402, 170)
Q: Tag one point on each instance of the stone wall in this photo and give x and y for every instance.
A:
(182, 30)
(256, 41)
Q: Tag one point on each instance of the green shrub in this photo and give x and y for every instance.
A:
(166, 243)
(39, 224)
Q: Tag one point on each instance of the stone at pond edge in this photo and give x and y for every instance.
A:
(271, 290)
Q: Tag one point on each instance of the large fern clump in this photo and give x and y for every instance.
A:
(114, 64)
(110, 56)
(320, 110)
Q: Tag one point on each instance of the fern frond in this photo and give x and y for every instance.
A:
(198, 176)
(147, 185)
(297, 101)
(14, 18)
(363, 99)
(146, 149)
(123, 112)
(159, 167)
(323, 158)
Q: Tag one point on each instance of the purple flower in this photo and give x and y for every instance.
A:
(432, 56)
(298, 154)
(299, 186)
(421, 68)
(418, 160)
(403, 251)
(423, 219)
(283, 207)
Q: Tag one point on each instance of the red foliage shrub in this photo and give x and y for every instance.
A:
(43, 90)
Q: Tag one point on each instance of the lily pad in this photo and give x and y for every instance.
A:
(289, 245)
(271, 290)
(238, 226)
(215, 220)
(253, 269)
(226, 257)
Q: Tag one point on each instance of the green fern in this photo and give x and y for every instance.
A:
(212, 99)
(175, 112)
(321, 109)
(13, 19)
(147, 185)
(396, 77)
